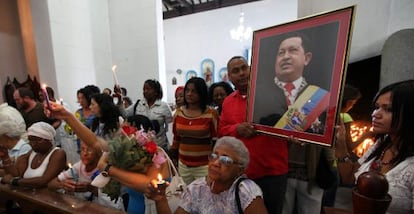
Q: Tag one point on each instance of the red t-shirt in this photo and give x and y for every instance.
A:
(268, 155)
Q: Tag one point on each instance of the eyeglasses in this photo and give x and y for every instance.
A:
(87, 151)
(225, 160)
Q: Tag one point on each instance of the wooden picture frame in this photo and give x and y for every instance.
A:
(282, 54)
(207, 69)
(190, 74)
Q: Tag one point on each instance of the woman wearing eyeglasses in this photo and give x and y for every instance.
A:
(216, 193)
(78, 178)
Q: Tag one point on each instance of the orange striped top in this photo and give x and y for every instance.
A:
(193, 136)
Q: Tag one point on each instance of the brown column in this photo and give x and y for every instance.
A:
(26, 28)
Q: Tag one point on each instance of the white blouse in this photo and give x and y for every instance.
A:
(159, 111)
(400, 180)
(198, 198)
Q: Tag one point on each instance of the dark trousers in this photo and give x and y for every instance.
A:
(274, 189)
(329, 195)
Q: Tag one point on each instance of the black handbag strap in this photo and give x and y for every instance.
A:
(135, 107)
(236, 191)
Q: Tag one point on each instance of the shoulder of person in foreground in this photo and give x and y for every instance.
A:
(253, 196)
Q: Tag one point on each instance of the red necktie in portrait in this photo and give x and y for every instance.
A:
(289, 88)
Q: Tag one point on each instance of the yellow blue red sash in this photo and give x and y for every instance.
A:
(306, 109)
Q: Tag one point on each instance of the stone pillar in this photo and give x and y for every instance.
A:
(397, 62)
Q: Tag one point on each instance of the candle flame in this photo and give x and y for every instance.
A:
(70, 165)
(114, 68)
(357, 130)
(159, 177)
(44, 86)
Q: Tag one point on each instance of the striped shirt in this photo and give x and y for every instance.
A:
(193, 136)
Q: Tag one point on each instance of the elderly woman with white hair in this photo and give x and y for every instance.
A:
(216, 193)
(36, 168)
(12, 130)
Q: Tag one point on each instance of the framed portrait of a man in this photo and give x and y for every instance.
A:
(298, 69)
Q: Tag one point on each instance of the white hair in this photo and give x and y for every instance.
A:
(237, 146)
(11, 122)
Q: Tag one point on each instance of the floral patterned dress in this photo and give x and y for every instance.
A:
(198, 199)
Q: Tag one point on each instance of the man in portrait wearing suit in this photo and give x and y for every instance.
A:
(292, 103)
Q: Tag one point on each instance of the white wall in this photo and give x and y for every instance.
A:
(44, 44)
(375, 21)
(192, 38)
(81, 47)
(137, 44)
(79, 41)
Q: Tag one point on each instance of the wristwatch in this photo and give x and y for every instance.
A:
(105, 173)
(344, 159)
(15, 181)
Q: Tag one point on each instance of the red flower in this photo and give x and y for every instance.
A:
(151, 147)
(129, 130)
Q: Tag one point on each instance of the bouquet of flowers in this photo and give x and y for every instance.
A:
(132, 150)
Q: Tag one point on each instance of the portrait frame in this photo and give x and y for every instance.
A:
(207, 69)
(190, 74)
(222, 75)
(312, 115)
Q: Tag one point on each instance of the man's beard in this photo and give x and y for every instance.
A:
(24, 106)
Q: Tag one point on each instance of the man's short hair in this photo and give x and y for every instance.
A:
(306, 44)
(233, 58)
(26, 92)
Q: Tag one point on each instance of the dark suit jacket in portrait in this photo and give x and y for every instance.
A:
(271, 105)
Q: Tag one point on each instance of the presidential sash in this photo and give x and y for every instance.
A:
(306, 109)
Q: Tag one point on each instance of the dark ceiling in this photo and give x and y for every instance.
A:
(175, 8)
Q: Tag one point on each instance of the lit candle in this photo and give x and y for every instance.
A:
(75, 178)
(46, 95)
(61, 101)
(161, 182)
(114, 74)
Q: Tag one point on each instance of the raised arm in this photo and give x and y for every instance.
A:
(86, 135)
(134, 180)
(346, 166)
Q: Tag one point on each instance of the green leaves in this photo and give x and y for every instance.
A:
(125, 153)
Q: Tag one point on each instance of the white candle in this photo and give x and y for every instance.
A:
(114, 74)
(161, 182)
(46, 95)
(75, 178)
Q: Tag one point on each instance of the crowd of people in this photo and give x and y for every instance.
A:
(227, 165)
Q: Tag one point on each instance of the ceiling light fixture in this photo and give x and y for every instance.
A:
(241, 33)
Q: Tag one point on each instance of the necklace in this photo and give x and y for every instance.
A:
(378, 164)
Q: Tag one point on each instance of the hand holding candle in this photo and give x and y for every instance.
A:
(75, 178)
(161, 183)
